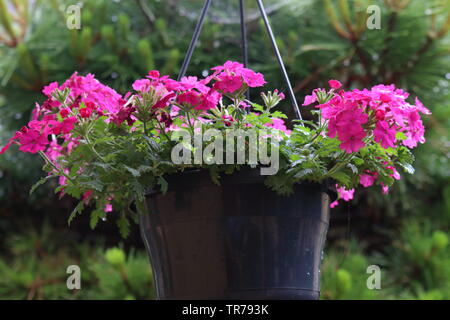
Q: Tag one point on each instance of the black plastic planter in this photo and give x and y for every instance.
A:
(239, 240)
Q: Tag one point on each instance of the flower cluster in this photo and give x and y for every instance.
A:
(78, 98)
(108, 149)
(381, 112)
(357, 117)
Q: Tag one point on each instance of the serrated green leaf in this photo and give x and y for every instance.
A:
(76, 211)
(134, 172)
(163, 184)
(96, 215)
(124, 226)
(40, 182)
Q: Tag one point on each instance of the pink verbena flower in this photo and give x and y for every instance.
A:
(142, 85)
(352, 139)
(32, 141)
(384, 134)
(278, 124)
(309, 99)
(367, 179)
(232, 75)
(228, 83)
(343, 194)
(334, 84)
(108, 208)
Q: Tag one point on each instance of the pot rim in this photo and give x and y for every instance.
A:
(245, 175)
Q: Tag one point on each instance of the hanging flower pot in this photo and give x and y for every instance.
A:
(232, 203)
(238, 240)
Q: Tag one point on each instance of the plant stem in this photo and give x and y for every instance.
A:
(60, 172)
(145, 128)
(91, 146)
(344, 161)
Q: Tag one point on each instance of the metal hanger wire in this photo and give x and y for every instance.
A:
(244, 46)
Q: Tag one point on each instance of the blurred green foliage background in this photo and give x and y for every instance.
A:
(406, 233)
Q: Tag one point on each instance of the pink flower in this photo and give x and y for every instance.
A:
(164, 101)
(141, 85)
(227, 120)
(367, 179)
(279, 125)
(32, 141)
(108, 208)
(232, 75)
(87, 196)
(420, 107)
(198, 100)
(54, 150)
(154, 75)
(228, 83)
(380, 114)
(384, 134)
(64, 112)
(87, 88)
(64, 127)
(189, 83)
(309, 100)
(394, 173)
(124, 114)
(345, 194)
(352, 139)
(334, 204)
(280, 94)
(48, 90)
(229, 66)
(210, 100)
(85, 112)
(252, 79)
(191, 98)
(334, 84)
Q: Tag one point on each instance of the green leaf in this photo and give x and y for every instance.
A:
(124, 226)
(353, 168)
(134, 172)
(342, 178)
(357, 161)
(95, 216)
(400, 136)
(78, 210)
(258, 107)
(303, 173)
(93, 184)
(405, 156)
(215, 177)
(163, 184)
(40, 182)
(279, 114)
(407, 167)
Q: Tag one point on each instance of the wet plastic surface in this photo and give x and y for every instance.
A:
(237, 241)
